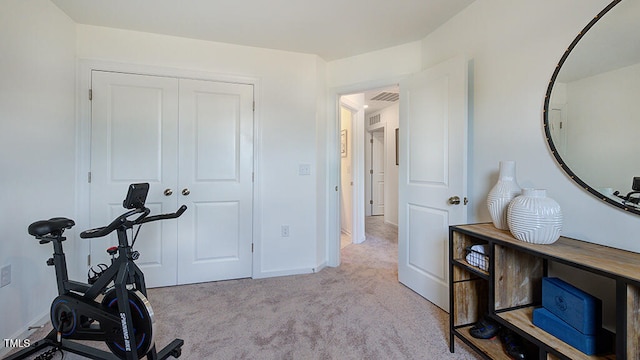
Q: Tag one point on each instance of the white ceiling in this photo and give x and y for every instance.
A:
(332, 29)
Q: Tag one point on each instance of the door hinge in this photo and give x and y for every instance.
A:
(90, 94)
(371, 202)
(254, 106)
(371, 141)
(371, 171)
(89, 177)
(251, 247)
(253, 177)
(89, 260)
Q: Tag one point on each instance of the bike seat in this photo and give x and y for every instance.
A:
(54, 226)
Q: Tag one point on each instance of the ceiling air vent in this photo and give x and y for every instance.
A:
(386, 96)
(374, 119)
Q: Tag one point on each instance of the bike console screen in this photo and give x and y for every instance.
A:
(136, 196)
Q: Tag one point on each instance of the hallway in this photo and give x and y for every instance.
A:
(375, 228)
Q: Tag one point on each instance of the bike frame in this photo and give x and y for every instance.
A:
(122, 272)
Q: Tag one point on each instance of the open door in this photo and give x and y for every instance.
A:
(377, 172)
(432, 179)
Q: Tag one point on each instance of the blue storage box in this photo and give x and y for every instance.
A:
(580, 310)
(602, 342)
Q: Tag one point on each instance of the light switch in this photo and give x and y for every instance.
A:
(304, 169)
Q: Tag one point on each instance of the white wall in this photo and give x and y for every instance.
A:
(352, 176)
(37, 143)
(286, 117)
(513, 48)
(374, 69)
(40, 46)
(346, 171)
(322, 215)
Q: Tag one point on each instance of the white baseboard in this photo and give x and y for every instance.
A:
(320, 266)
(276, 273)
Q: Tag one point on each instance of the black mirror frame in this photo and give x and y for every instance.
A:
(547, 129)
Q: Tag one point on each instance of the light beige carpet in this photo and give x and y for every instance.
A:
(356, 311)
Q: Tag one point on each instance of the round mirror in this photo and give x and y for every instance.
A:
(592, 107)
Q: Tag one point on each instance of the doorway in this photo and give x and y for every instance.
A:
(369, 170)
(432, 149)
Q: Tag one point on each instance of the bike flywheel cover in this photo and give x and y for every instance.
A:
(63, 316)
(142, 321)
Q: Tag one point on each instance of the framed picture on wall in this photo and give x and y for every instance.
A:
(343, 143)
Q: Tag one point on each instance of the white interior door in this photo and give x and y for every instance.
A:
(377, 172)
(192, 137)
(134, 122)
(215, 176)
(433, 138)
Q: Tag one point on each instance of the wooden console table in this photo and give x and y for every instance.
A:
(511, 288)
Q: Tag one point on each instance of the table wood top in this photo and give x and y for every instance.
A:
(590, 256)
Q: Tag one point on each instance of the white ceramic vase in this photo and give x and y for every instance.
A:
(535, 218)
(505, 190)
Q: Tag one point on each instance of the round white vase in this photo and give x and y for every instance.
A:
(505, 190)
(535, 218)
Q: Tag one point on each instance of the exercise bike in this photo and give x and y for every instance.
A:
(113, 306)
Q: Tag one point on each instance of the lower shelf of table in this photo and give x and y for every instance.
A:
(522, 319)
(491, 347)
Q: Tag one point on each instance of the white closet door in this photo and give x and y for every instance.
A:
(134, 125)
(215, 181)
(194, 138)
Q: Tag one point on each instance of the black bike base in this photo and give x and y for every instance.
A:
(173, 349)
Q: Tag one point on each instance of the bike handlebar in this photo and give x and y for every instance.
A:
(122, 221)
(164, 216)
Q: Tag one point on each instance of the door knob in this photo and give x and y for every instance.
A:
(168, 192)
(185, 192)
(454, 200)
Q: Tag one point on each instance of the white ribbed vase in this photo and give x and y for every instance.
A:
(505, 190)
(535, 218)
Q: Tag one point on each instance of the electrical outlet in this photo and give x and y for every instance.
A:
(5, 276)
(284, 230)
